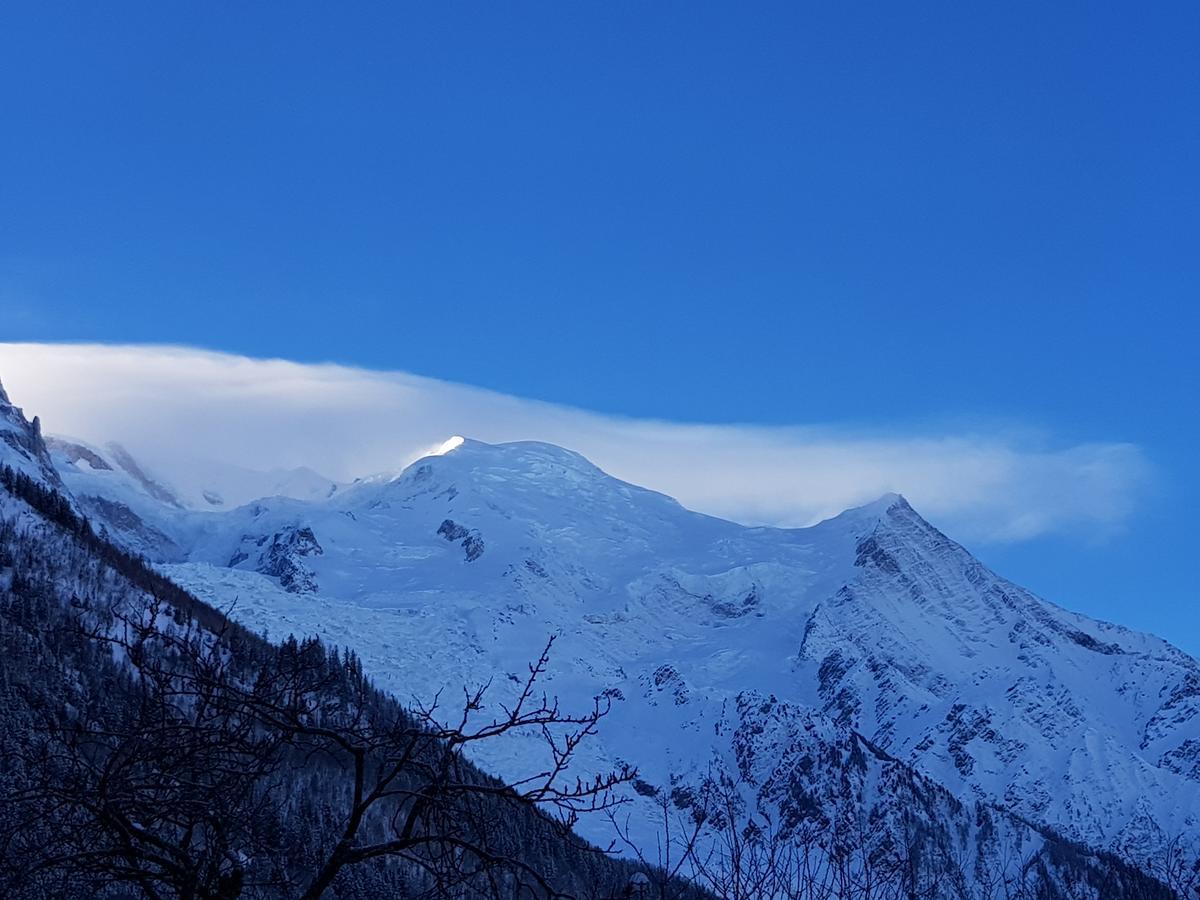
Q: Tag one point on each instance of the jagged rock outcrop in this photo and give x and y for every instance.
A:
(25, 447)
(284, 557)
(471, 540)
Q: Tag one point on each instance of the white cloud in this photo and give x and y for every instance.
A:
(170, 405)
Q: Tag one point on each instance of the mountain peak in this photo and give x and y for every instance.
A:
(867, 516)
(887, 502)
(533, 481)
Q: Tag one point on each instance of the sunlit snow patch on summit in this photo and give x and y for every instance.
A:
(451, 443)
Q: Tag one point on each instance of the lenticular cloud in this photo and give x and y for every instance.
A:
(175, 407)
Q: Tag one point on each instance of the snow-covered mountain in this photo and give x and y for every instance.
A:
(863, 668)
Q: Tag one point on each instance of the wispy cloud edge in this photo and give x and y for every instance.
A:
(171, 404)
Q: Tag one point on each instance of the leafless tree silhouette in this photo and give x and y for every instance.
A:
(182, 793)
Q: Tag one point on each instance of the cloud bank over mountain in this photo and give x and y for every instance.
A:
(176, 406)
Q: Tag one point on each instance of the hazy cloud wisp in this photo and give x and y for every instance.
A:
(170, 405)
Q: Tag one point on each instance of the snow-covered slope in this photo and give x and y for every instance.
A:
(123, 497)
(207, 484)
(871, 630)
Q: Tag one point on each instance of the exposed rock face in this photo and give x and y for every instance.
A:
(22, 446)
(284, 554)
(158, 491)
(832, 792)
(76, 453)
(451, 530)
(284, 558)
(472, 540)
(131, 530)
(119, 499)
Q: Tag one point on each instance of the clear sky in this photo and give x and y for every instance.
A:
(878, 215)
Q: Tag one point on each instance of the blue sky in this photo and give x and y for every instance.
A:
(873, 216)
